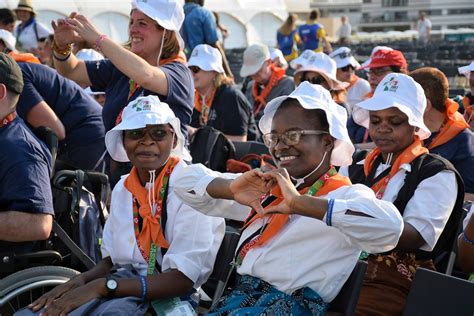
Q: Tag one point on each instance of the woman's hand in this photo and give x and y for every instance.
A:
(84, 28)
(288, 191)
(64, 33)
(249, 188)
(57, 292)
(74, 298)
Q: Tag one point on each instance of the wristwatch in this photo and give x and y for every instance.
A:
(111, 285)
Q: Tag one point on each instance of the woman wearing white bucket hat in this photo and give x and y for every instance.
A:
(306, 135)
(153, 64)
(217, 102)
(171, 247)
(394, 118)
(320, 69)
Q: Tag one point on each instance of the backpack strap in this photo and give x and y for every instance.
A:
(424, 167)
(356, 171)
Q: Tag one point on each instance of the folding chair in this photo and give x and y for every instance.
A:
(345, 302)
(433, 293)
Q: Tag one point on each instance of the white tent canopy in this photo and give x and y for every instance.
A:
(248, 21)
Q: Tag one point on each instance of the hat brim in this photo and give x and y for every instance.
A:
(193, 61)
(332, 81)
(360, 113)
(249, 70)
(116, 149)
(27, 9)
(466, 70)
(341, 63)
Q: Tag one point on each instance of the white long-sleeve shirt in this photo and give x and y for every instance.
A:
(306, 252)
(194, 238)
(429, 209)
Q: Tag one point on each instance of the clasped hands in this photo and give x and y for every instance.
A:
(74, 28)
(249, 188)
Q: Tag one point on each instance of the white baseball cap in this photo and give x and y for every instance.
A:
(374, 50)
(8, 39)
(207, 58)
(466, 70)
(139, 113)
(400, 91)
(343, 57)
(323, 65)
(310, 97)
(167, 13)
(275, 53)
(254, 57)
(302, 59)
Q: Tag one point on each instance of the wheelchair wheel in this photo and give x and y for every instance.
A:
(23, 287)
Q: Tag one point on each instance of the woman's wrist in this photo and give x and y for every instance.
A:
(60, 50)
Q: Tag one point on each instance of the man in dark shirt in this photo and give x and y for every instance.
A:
(26, 204)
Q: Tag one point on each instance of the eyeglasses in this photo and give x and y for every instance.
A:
(315, 80)
(289, 138)
(157, 134)
(378, 71)
(194, 69)
(346, 68)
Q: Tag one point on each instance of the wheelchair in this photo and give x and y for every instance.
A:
(25, 277)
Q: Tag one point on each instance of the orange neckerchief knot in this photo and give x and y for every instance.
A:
(204, 105)
(151, 231)
(407, 156)
(278, 221)
(453, 125)
(260, 98)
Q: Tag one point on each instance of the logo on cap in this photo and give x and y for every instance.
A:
(391, 85)
(142, 106)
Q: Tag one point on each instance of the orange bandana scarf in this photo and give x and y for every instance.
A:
(259, 98)
(330, 181)
(151, 232)
(353, 81)
(134, 87)
(204, 105)
(453, 125)
(408, 155)
(8, 119)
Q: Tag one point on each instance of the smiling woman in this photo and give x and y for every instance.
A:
(306, 208)
(154, 64)
(154, 246)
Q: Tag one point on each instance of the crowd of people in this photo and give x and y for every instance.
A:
(375, 170)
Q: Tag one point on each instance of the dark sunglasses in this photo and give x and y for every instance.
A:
(346, 69)
(157, 134)
(315, 80)
(194, 69)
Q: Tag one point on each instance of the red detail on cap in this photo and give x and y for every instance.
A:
(385, 58)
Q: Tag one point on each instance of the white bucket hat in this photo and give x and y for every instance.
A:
(207, 58)
(275, 53)
(167, 13)
(400, 91)
(374, 50)
(343, 57)
(139, 113)
(325, 66)
(311, 97)
(254, 57)
(466, 70)
(302, 59)
(8, 39)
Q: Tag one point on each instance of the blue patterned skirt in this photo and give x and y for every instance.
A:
(253, 296)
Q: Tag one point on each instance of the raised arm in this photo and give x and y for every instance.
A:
(141, 71)
(64, 60)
